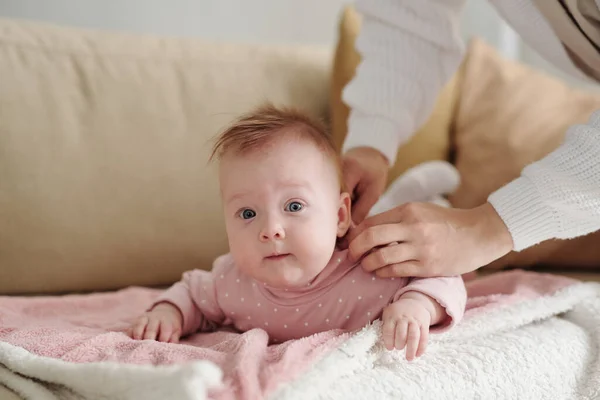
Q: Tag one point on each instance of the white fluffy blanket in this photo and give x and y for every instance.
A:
(533, 339)
(544, 348)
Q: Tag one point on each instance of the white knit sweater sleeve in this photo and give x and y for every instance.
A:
(558, 196)
(409, 50)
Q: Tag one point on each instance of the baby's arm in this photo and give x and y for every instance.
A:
(436, 312)
(423, 303)
(449, 293)
(186, 307)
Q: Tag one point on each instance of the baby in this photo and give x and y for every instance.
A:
(285, 208)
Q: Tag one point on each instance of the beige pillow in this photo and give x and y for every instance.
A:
(430, 142)
(104, 141)
(510, 115)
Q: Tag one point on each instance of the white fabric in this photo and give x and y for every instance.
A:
(546, 348)
(525, 351)
(427, 181)
(41, 378)
(409, 50)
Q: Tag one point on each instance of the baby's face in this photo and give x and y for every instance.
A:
(283, 211)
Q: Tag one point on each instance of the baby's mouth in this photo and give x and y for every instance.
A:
(277, 256)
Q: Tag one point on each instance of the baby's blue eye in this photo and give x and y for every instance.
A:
(248, 214)
(294, 206)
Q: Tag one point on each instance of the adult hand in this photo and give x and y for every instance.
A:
(425, 240)
(365, 172)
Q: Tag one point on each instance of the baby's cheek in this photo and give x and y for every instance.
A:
(320, 244)
(244, 253)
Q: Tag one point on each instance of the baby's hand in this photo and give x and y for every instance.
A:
(163, 323)
(406, 323)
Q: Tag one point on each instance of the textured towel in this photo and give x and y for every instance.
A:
(525, 336)
(86, 328)
(59, 341)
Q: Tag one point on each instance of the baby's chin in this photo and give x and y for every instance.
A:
(288, 273)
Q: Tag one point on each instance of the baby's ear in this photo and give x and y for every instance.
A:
(344, 215)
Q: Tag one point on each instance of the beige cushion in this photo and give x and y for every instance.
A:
(430, 142)
(104, 141)
(510, 115)
(7, 394)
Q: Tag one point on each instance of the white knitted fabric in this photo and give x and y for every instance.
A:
(558, 196)
(410, 49)
(425, 182)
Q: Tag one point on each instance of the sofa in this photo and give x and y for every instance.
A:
(105, 136)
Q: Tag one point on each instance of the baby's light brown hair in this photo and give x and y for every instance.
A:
(266, 123)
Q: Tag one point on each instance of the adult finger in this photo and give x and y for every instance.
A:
(387, 255)
(412, 340)
(139, 328)
(423, 340)
(366, 199)
(351, 175)
(401, 270)
(374, 236)
(389, 217)
(151, 329)
(387, 332)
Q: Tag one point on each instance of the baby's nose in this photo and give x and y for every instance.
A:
(272, 232)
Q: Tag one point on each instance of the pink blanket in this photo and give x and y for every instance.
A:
(86, 328)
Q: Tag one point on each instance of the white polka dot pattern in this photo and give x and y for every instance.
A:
(346, 297)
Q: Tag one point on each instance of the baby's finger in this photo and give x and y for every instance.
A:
(151, 329)
(401, 328)
(165, 332)
(174, 337)
(412, 341)
(388, 333)
(423, 340)
(139, 328)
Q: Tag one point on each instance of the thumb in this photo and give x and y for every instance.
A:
(366, 199)
(351, 176)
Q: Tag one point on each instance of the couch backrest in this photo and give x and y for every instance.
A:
(104, 140)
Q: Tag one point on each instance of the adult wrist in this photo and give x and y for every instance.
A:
(497, 240)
